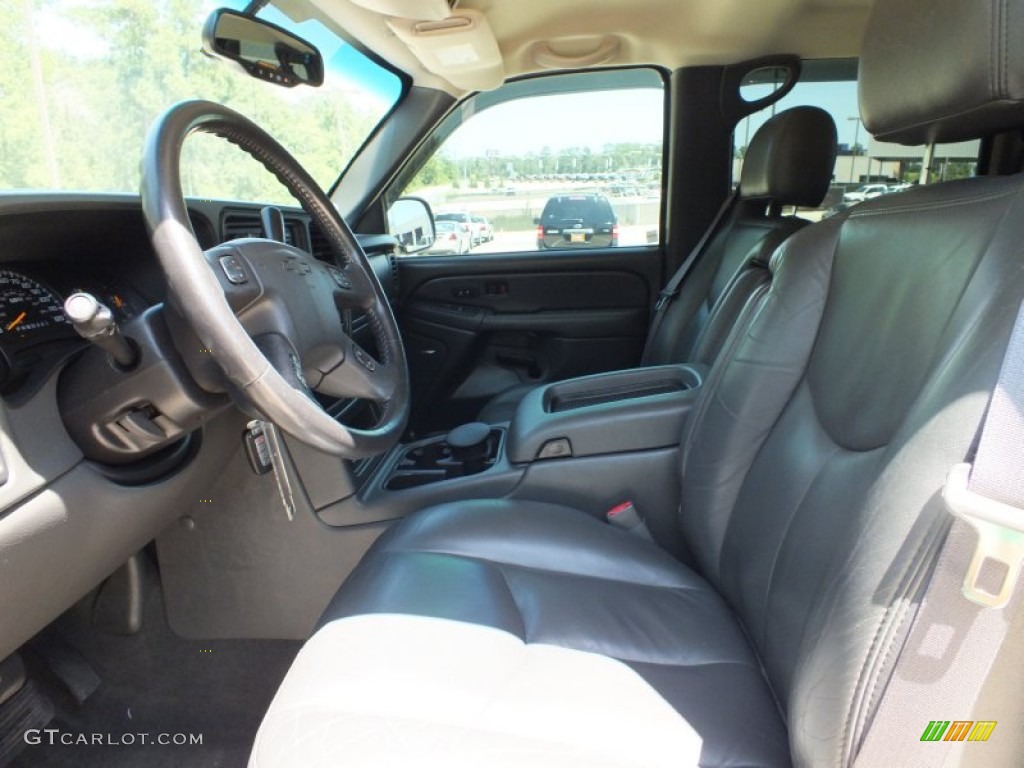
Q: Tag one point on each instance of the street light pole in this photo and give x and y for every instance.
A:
(854, 151)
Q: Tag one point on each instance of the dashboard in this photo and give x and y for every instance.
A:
(101, 246)
(66, 522)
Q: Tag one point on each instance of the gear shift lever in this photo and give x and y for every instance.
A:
(469, 446)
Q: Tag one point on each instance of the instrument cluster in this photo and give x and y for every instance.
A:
(32, 307)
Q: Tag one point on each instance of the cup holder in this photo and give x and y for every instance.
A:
(433, 460)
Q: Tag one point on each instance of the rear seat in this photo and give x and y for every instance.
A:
(789, 163)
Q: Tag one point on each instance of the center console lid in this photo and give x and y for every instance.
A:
(633, 410)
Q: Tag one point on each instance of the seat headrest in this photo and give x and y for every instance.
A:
(942, 70)
(791, 158)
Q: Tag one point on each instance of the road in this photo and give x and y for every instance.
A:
(510, 242)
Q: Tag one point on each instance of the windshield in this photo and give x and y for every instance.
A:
(82, 81)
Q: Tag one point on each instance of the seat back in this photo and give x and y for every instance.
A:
(789, 162)
(812, 471)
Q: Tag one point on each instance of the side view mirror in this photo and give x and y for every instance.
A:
(262, 50)
(411, 223)
(536, 220)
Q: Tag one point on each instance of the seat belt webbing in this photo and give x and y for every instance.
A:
(667, 294)
(963, 620)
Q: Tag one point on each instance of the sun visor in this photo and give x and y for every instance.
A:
(428, 10)
(461, 48)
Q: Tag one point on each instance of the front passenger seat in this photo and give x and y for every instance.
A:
(789, 162)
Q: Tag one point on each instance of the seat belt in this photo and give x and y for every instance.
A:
(970, 602)
(668, 294)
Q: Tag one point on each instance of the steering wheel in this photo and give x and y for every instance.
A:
(270, 314)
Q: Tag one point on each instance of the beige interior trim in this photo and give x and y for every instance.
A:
(581, 53)
(460, 48)
(433, 10)
(666, 33)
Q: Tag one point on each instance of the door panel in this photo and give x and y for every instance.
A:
(479, 324)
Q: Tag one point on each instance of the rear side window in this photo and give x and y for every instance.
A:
(562, 161)
(865, 168)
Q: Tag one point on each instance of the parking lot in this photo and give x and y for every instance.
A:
(512, 211)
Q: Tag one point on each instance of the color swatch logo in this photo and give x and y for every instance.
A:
(958, 730)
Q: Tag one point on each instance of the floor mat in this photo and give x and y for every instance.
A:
(157, 687)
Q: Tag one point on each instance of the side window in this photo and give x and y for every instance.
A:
(551, 162)
(865, 168)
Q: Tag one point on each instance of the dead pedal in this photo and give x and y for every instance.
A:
(66, 664)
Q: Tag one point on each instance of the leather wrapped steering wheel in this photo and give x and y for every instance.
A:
(270, 314)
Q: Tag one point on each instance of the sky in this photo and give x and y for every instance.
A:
(562, 121)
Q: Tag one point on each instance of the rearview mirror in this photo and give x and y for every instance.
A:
(262, 50)
(411, 223)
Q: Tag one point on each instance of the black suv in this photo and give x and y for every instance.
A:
(577, 221)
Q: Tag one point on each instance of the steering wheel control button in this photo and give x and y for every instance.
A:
(365, 360)
(233, 269)
(558, 448)
(339, 277)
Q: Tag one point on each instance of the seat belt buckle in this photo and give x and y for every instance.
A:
(1000, 529)
(664, 299)
(627, 517)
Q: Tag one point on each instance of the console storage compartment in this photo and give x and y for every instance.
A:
(633, 410)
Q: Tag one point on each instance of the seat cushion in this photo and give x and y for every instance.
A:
(524, 633)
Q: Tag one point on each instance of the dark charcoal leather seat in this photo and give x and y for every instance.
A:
(789, 163)
(518, 632)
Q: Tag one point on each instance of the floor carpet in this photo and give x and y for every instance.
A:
(156, 683)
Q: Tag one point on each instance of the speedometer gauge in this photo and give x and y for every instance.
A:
(27, 307)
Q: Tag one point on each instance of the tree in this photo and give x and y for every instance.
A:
(102, 103)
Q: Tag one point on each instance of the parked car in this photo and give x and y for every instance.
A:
(866, 192)
(482, 229)
(577, 221)
(449, 237)
(465, 222)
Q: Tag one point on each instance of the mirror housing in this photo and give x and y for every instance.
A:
(262, 50)
(411, 223)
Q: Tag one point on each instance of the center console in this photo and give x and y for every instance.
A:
(604, 415)
(623, 411)
(590, 443)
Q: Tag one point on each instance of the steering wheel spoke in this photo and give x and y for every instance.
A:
(283, 358)
(360, 375)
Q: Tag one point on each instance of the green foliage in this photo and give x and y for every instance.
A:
(497, 169)
(99, 104)
(437, 171)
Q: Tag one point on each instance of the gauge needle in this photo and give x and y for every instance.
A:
(16, 321)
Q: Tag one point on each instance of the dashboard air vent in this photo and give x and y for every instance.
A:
(248, 224)
(236, 225)
(319, 245)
